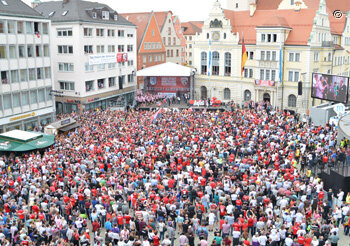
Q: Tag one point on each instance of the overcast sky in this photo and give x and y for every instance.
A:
(186, 9)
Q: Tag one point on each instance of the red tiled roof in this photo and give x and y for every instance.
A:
(301, 23)
(273, 4)
(338, 47)
(140, 20)
(337, 25)
(275, 21)
(161, 17)
(192, 27)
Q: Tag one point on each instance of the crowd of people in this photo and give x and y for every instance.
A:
(190, 178)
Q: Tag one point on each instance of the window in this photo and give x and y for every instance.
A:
(89, 85)
(144, 59)
(29, 27)
(263, 38)
(32, 74)
(227, 64)
(94, 15)
(112, 65)
(41, 95)
(268, 55)
(294, 57)
(291, 56)
(45, 28)
(46, 50)
(290, 76)
(316, 56)
(39, 73)
(88, 49)
(111, 33)
(169, 31)
(296, 76)
(65, 67)
(267, 74)
(227, 94)
(111, 48)
(25, 98)
(150, 58)
(130, 48)
(130, 78)
(38, 51)
(7, 102)
(52, 13)
(262, 55)
(65, 49)
(23, 75)
(66, 32)
(250, 73)
(216, 63)
(47, 72)
(251, 55)
(88, 67)
(99, 32)
(120, 33)
(12, 52)
(120, 48)
(36, 27)
(67, 85)
(30, 51)
(2, 26)
(171, 53)
(65, 13)
(177, 53)
(33, 97)
(291, 2)
(225, 35)
(20, 27)
(14, 76)
(247, 95)
(274, 38)
(174, 41)
(16, 100)
(4, 77)
(297, 57)
(11, 27)
(3, 52)
(100, 49)
(87, 32)
(262, 73)
(130, 35)
(273, 75)
(273, 56)
(111, 81)
(293, 76)
(115, 17)
(101, 83)
(292, 101)
(105, 15)
(101, 66)
(269, 38)
(204, 63)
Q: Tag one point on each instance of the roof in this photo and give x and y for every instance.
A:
(337, 25)
(301, 23)
(275, 21)
(273, 4)
(20, 135)
(167, 69)
(161, 17)
(338, 47)
(78, 10)
(18, 8)
(141, 20)
(192, 27)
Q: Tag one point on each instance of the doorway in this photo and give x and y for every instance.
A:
(266, 97)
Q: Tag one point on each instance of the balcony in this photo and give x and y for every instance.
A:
(327, 43)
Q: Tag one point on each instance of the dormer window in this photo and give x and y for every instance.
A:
(52, 13)
(105, 15)
(65, 13)
(115, 17)
(4, 2)
(94, 15)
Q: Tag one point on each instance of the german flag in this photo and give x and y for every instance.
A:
(244, 57)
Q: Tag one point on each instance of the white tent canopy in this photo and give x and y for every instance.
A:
(167, 69)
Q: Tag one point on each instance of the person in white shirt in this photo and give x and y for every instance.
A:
(288, 241)
(262, 240)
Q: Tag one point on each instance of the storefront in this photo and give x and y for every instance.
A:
(27, 121)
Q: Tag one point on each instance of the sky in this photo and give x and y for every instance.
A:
(187, 10)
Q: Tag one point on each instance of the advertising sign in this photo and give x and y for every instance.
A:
(167, 84)
(122, 57)
(101, 59)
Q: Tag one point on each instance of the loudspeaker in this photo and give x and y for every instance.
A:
(300, 88)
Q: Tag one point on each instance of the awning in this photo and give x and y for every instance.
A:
(168, 69)
(69, 127)
(20, 141)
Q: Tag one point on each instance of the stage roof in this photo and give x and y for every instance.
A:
(167, 69)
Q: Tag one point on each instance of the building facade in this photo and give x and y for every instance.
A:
(94, 55)
(25, 68)
(296, 38)
(150, 47)
(190, 30)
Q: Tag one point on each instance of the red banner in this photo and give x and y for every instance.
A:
(202, 103)
(265, 82)
(168, 84)
(122, 57)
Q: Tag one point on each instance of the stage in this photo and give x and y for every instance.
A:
(337, 178)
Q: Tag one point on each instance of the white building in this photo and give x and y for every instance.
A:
(94, 55)
(25, 68)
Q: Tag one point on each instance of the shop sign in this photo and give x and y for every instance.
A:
(20, 117)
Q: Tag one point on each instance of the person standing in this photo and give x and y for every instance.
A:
(334, 238)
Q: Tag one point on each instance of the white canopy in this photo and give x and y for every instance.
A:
(167, 69)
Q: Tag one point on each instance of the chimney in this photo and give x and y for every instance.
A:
(297, 6)
(252, 9)
(35, 3)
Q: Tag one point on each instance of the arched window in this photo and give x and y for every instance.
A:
(227, 64)
(292, 101)
(216, 63)
(227, 94)
(247, 95)
(204, 95)
(204, 63)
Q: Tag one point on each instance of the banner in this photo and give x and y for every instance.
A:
(101, 59)
(202, 103)
(122, 57)
(265, 82)
(167, 84)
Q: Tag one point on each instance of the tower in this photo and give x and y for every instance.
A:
(35, 3)
(239, 5)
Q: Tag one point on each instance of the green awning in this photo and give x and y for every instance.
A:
(12, 143)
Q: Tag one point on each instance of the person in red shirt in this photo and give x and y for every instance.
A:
(156, 241)
(222, 209)
(301, 239)
(120, 220)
